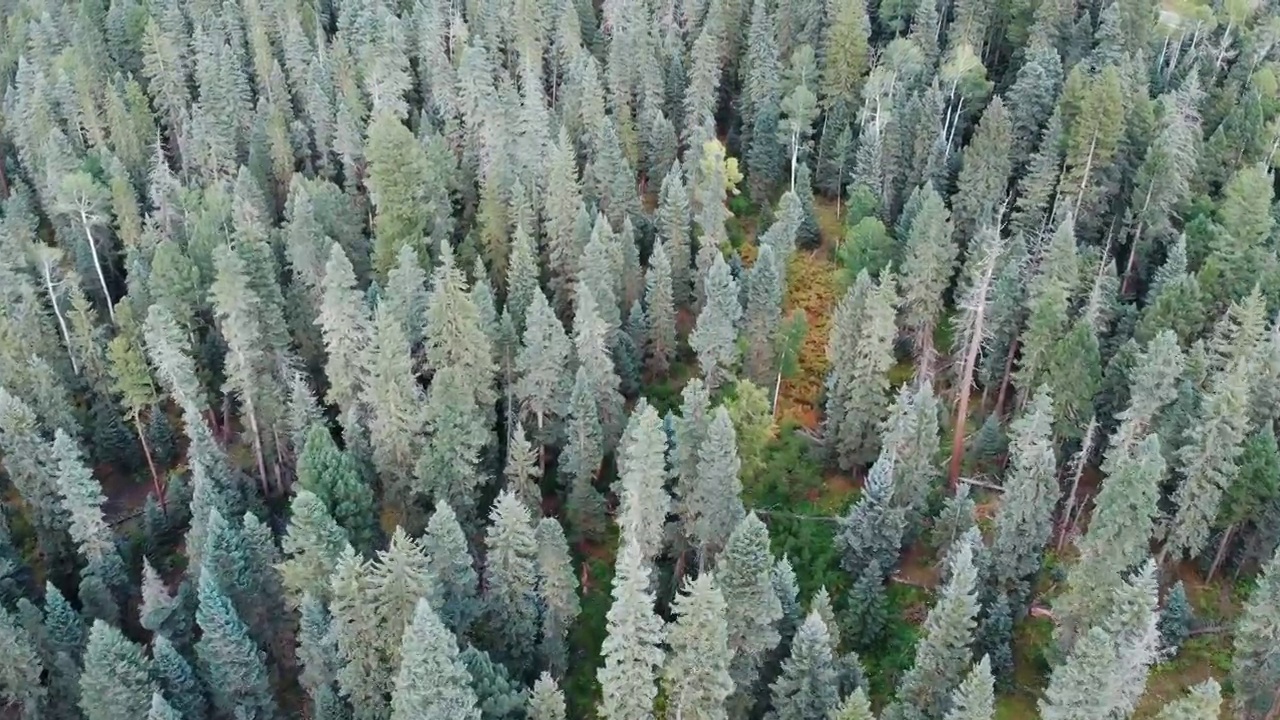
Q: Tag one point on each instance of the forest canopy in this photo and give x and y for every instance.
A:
(681, 359)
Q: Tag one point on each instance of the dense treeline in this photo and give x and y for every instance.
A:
(413, 360)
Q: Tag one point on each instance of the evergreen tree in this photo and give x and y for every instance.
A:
(454, 571)
(162, 710)
(21, 668)
(911, 436)
(178, 679)
(632, 650)
(1025, 519)
(521, 470)
(860, 349)
(432, 682)
(696, 675)
(162, 612)
(511, 582)
(580, 460)
(871, 533)
(943, 653)
(311, 548)
(673, 221)
(715, 507)
(396, 408)
(397, 579)
(455, 334)
(1201, 703)
(660, 311)
(546, 702)
(543, 382)
(643, 498)
(974, 698)
(1254, 673)
(233, 667)
(82, 499)
(715, 335)
(400, 185)
(752, 609)
(926, 273)
(764, 290)
(807, 686)
(116, 682)
(980, 187)
(855, 707)
(1176, 618)
(498, 695)
(334, 477)
(361, 675)
(449, 468)
(345, 326)
(558, 594)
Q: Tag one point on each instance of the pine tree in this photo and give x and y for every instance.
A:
(558, 593)
(521, 470)
(807, 686)
(1106, 670)
(454, 571)
(561, 204)
(1254, 674)
(660, 312)
(696, 675)
(715, 507)
(396, 404)
(499, 696)
(974, 698)
(743, 574)
(1201, 703)
(546, 702)
(455, 334)
(334, 477)
(911, 436)
(162, 612)
(860, 349)
(63, 626)
(1176, 618)
(448, 469)
(764, 290)
(714, 337)
(511, 582)
(1207, 460)
(178, 679)
(345, 326)
(432, 683)
(311, 547)
(580, 460)
(591, 343)
(32, 474)
(926, 273)
(943, 653)
(855, 707)
(543, 382)
(871, 533)
(233, 667)
(21, 668)
(361, 674)
(673, 223)
(689, 432)
(116, 682)
(643, 498)
(985, 174)
(161, 710)
(82, 499)
(632, 650)
(1025, 519)
(399, 181)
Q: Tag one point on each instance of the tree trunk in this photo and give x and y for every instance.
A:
(962, 406)
(257, 447)
(62, 323)
(1008, 375)
(777, 390)
(97, 266)
(151, 465)
(1222, 552)
(1071, 513)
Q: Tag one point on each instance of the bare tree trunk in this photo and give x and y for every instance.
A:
(62, 323)
(97, 266)
(1008, 375)
(777, 390)
(257, 447)
(1082, 459)
(962, 407)
(1222, 552)
(151, 465)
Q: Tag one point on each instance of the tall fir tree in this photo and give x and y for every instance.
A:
(643, 498)
(511, 583)
(860, 349)
(558, 594)
(696, 674)
(1025, 520)
(117, 677)
(453, 569)
(743, 575)
(432, 681)
(632, 650)
(807, 686)
(1254, 673)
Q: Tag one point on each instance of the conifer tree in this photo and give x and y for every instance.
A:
(1105, 672)
(591, 343)
(396, 407)
(522, 277)
(546, 702)
(860, 349)
(432, 682)
(334, 477)
(233, 667)
(161, 709)
(926, 273)
(63, 626)
(361, 675)
(1254, 673)
(543, 382)
(1025, 519)
(715, 507)
(400, 181)
(1206, 462)
(673, 223)
(452, 568)
(82, 499)
(690, 430)
(743, 575)
(116, 682)
(807, 686)
(911, 435)
(511, 582)
(405, 295)
(21, 668)
(455, 334)
(561, 204)
(660, 311)
(985, 174)
(162, 612)
(974, 698)
(764, 289)
(643, 498)
(943, 653)
(715, 335)
(558, 594)
(177, 679)
(311, 548)
(580, 460)
(871, 533)
(696, 674)
(632, 650)
(1202, 702)
(346, 328)
(855, 707)
(521, 470)
(448, 468)
(32, 473)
